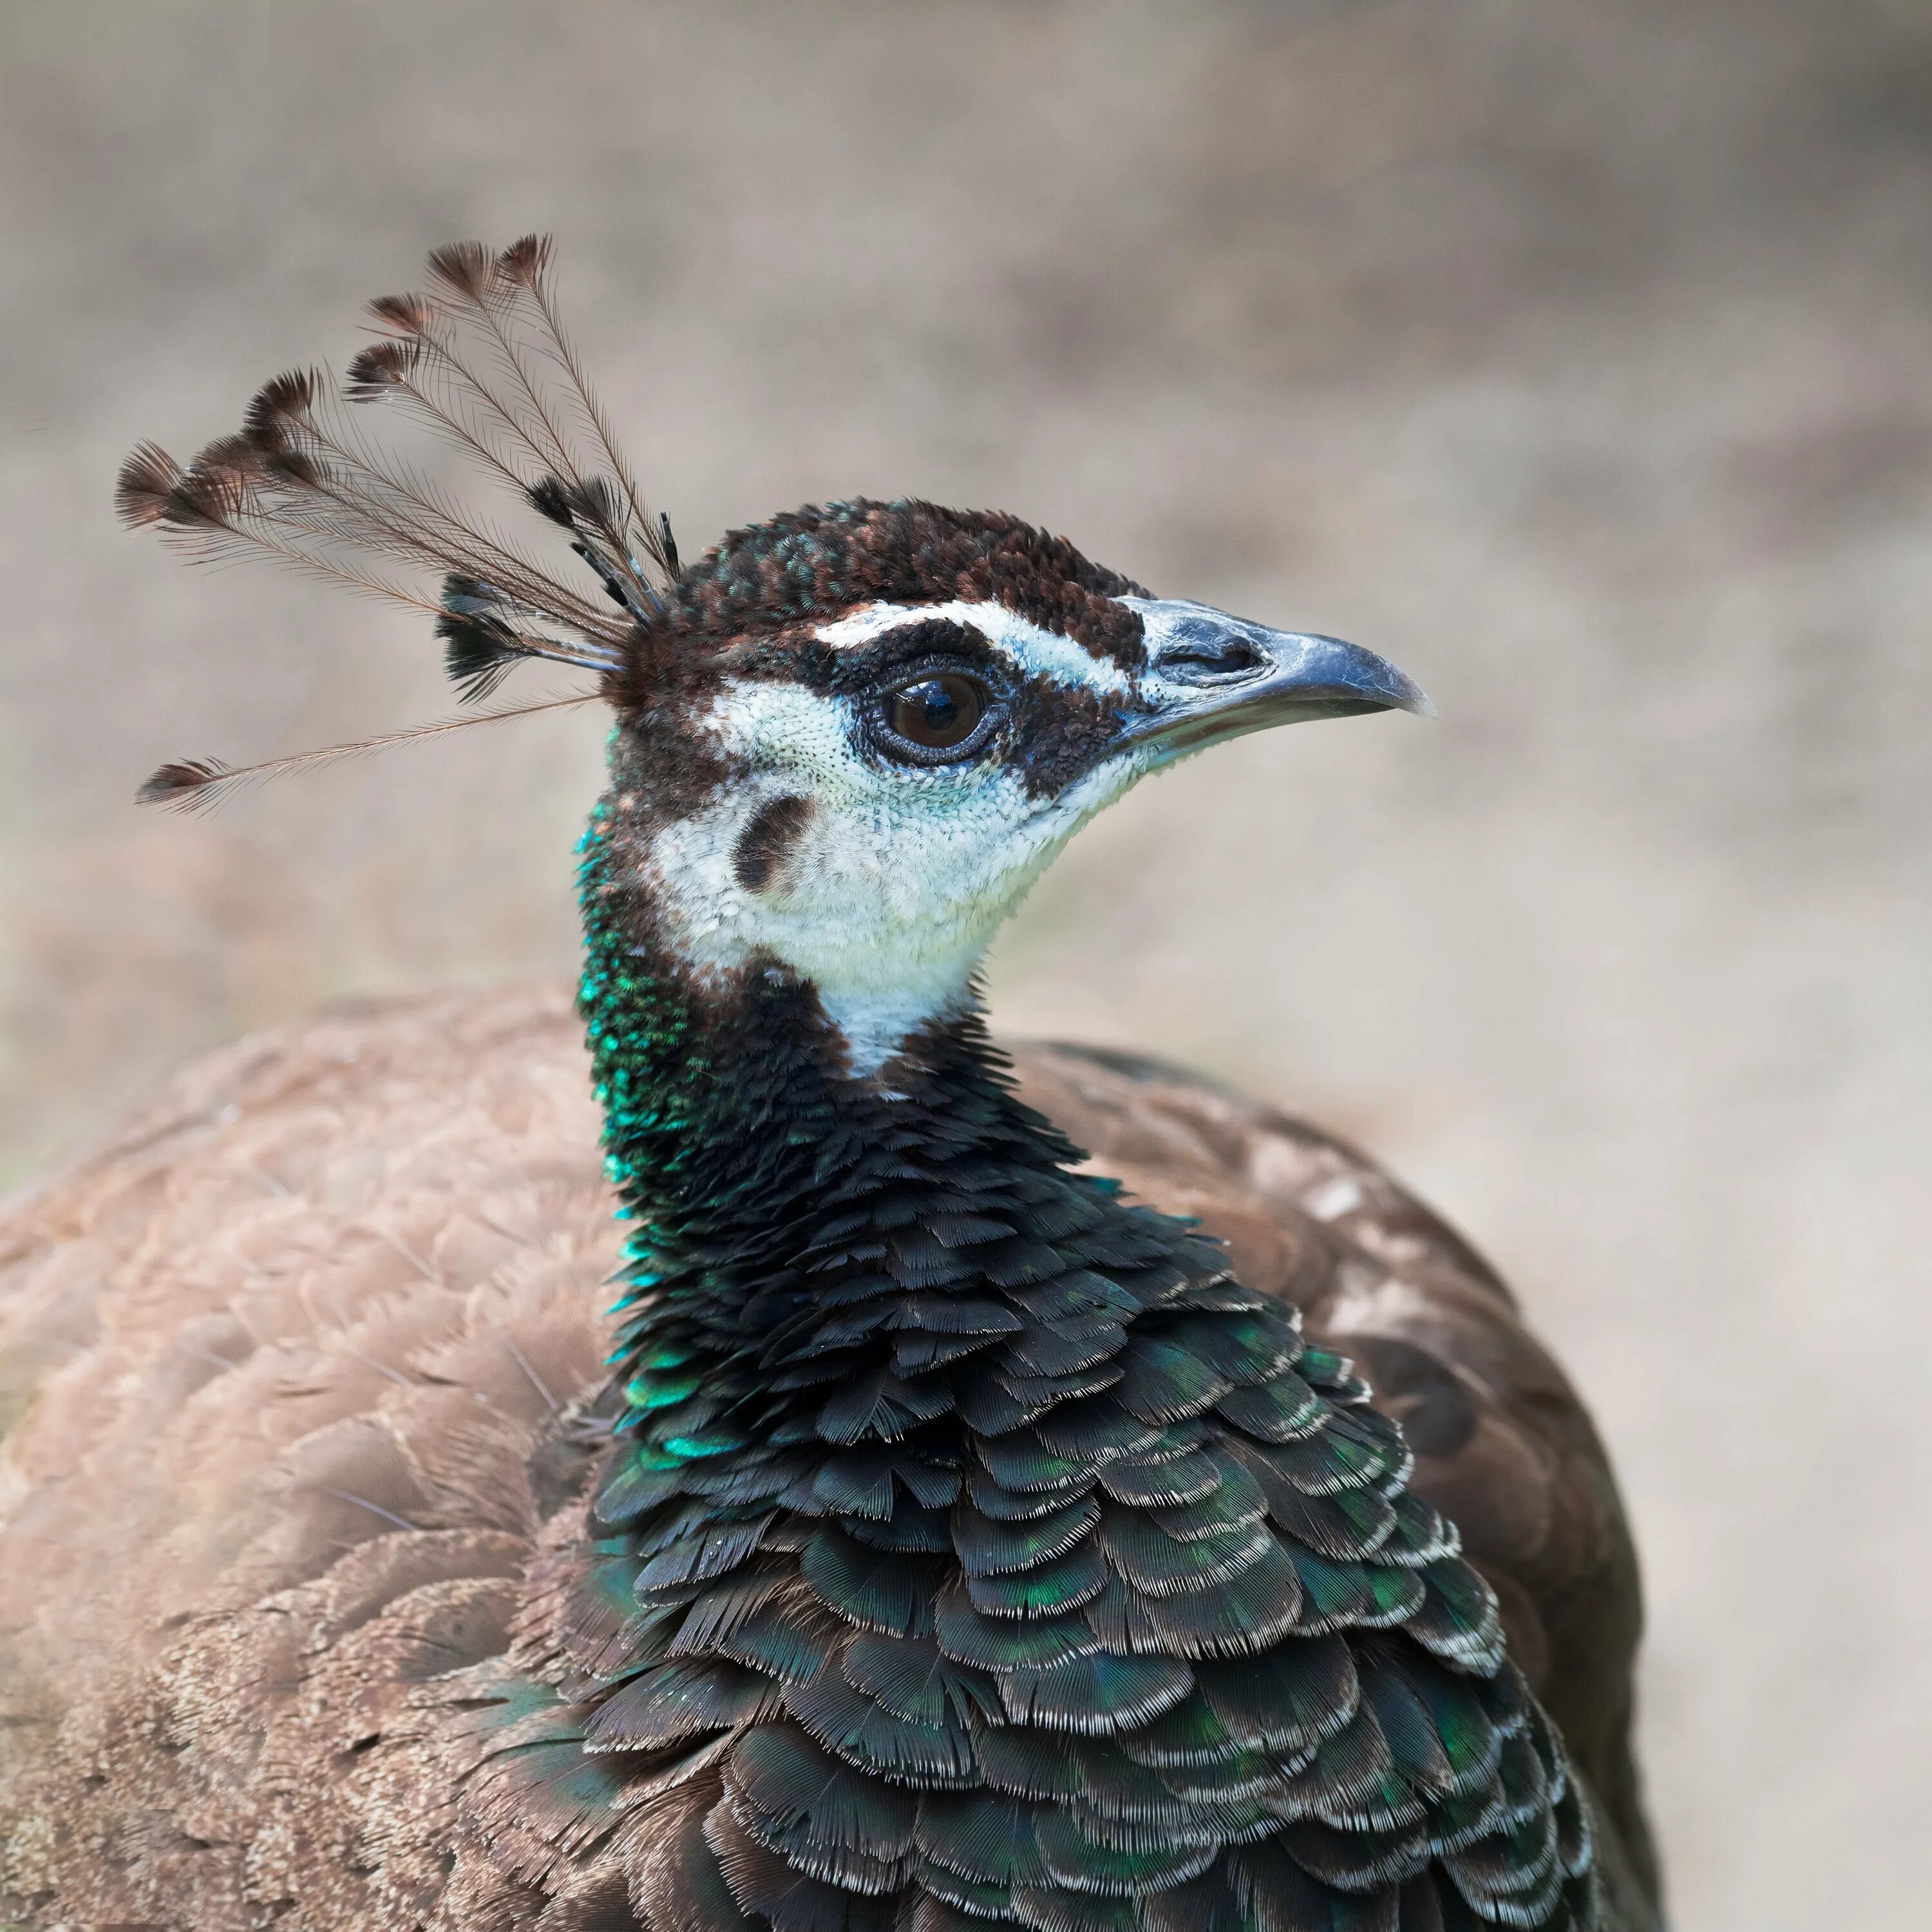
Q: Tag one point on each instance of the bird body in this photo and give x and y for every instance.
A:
(951, 1541)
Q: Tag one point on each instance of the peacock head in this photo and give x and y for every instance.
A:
(863, 731)
(848, 739)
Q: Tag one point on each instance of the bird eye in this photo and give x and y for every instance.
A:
(939, 711)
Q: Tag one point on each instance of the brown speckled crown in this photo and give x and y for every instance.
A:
(809, 564)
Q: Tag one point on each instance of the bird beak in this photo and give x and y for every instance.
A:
(1210, 676)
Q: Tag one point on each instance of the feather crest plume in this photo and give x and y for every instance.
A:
(480, 359)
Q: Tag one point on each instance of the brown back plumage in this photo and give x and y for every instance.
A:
(290, 1371)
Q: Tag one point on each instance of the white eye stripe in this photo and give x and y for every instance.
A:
(1030, 649)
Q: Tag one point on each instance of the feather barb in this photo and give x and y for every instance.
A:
(197, 785)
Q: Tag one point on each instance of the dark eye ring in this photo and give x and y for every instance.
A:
(935, 715)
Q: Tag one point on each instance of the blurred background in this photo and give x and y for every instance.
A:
(1577, 355)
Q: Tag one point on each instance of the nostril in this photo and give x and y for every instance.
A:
(1202, 659)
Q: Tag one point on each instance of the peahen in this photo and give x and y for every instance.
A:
(933, 1537)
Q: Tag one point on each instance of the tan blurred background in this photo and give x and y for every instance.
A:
(1577, 354)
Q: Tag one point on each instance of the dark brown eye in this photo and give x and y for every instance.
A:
(936, 712)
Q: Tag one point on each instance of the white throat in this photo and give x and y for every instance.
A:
(887, 891)
(886, 921)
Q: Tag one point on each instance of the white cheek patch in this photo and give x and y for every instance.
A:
(888, 895)
(1032, 650)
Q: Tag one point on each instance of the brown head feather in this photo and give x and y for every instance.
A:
(381, 368)
(283, 406)
(408, 315)
(208, 497)
(239, 452)
(183, 785)
(465, 268)
(194, 784)
(525, 260)
(146, 485)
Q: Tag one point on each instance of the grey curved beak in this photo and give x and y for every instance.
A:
(1210, 676)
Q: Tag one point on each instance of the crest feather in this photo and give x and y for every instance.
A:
(479, 359)
(197, 785)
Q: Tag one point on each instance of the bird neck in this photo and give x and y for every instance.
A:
(734, 1133)
(816, 1260)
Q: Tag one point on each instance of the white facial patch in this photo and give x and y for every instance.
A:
(888, 894)
(1031, 649)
